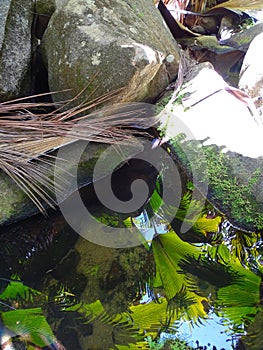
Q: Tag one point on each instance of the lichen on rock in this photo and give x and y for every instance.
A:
(102, 46)
(15, 48)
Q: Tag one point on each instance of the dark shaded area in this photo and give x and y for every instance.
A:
(39, 74)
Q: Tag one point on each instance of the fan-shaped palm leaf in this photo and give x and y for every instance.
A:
(30, 325)
(169, 250)
(240, 301)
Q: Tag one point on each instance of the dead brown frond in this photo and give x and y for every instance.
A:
(27, 137)
(176, 8)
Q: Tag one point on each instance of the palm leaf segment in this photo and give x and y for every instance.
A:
(26, 136)
(183, 301)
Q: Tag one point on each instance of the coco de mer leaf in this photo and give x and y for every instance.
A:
(16, 290)
(29, 325)
(169, 250)
(240, 300)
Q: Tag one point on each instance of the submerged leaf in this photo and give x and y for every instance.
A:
(240, 302)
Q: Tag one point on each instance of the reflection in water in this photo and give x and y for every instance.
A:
(59, 291)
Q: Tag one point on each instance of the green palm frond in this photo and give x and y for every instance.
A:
(219, 253)
(180, 290)
(64, 299)
(187, 306)
(236, 246)
(206, 269)
(239, 302)
(180, 302)
(243, 246)
(254, 336)
(151, 318)
(156, 200)
(29, 325)
(168, 250)
(127, 327)
(189, 210)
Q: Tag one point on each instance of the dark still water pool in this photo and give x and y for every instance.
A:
(200, 289)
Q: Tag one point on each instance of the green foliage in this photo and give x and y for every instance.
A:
(188, 211)
(162, 102)
(247, 23)
(169, 250)
(16, 290)
(232, 193)
(196, 218)
(151, 317)
(181, 268)
(30, 325)
(168, 344)
(235, 196)
(239, 302)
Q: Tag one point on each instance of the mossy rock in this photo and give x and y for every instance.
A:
(218, 143)
(232, 183)
(16, 206)
(98, 47)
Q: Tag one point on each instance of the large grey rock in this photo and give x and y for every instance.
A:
(251, 74)
(222, 147)
(16, 206)
(242, 39)
(101, 46)
(45, 7)
(15, 47)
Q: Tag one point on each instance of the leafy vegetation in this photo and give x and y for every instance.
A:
(27, 323)
(172, 344)
(235, 196)
(221, 273)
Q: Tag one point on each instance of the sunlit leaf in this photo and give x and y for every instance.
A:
(219, 253)
(149, 317)
(30, 325)
(16, 290)
(169, 250)
(204, 224)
